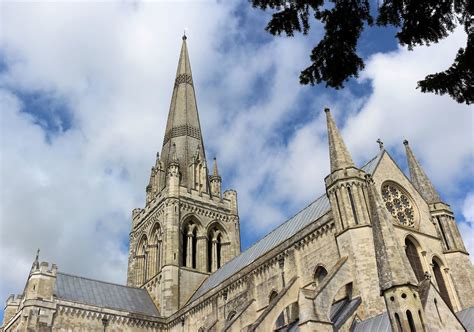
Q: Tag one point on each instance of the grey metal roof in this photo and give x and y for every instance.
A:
(270, 241)
(342, 310)
(379, 323)
(371, 165)
(282, 233)
(466, 317)
(103, 294)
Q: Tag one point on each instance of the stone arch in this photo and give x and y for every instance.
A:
(412, 251)
(191, 229)
(141, 253)
(154, 257)
(441, 278)
(217, 240)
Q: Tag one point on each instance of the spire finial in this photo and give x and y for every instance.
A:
(405, 142)
(184, 34)
(380, 142)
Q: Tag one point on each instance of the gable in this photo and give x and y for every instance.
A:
(387, 171)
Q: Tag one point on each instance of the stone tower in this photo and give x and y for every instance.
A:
(187, 228)
(443, 218)
(346, 188)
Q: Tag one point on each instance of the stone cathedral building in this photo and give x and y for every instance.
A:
(378, 251)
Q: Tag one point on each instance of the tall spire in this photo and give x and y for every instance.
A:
(419, 178)
(392, 263)
(183, 128)
(338, 154)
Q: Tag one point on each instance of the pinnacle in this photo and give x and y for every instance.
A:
(419, 178)
(339, 156)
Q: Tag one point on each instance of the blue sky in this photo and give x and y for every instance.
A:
(84, 95)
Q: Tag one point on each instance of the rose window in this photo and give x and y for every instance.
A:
(398, 204)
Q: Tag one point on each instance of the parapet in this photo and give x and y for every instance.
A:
(44, 268)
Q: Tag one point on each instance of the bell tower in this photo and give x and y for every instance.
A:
(187, 229)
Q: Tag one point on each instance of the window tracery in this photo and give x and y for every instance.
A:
(398, 204)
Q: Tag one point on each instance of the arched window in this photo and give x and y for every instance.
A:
(231, 315)
(189, 241)
(319, 275)
(215, 239)
(273, 294)
(414, 259)
(399, 323)
(154, 252)
(141, 261)
(443, 290)
(288, 318)
(411, 323)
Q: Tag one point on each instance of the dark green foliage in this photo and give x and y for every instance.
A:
(420, 22)
(457, 80)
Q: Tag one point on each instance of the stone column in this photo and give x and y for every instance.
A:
(158, 256)
(189, 248)
(201, 247)
(214, 254)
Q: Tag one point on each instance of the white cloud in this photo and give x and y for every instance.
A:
(114, 64)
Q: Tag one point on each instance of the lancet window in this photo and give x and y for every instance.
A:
(319, 275)
(141, 261)
(414, 259)
(215, 239)
(154, 252)
(189, 241)
(440, 280)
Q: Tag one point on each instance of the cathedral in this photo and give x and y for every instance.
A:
(378, 251)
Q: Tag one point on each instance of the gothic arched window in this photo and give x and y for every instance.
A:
(414, 259)
(443, 290)
(319, 275)
(141, 261)
(215, 239)
(154, 252)
(288, 318)
(399, 204)
(189, 241)
(273, 294)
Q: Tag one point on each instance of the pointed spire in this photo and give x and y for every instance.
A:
(183, 130)
(419, 178)
(392, 263)
(215, 171)
(339, 156)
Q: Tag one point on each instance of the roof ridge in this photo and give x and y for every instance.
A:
(101, 281)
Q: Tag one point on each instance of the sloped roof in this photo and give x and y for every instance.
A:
(466, 317)
(379, 323)
(282, 233)
(104, 294)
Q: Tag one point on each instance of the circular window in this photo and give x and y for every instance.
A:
(398, 204)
